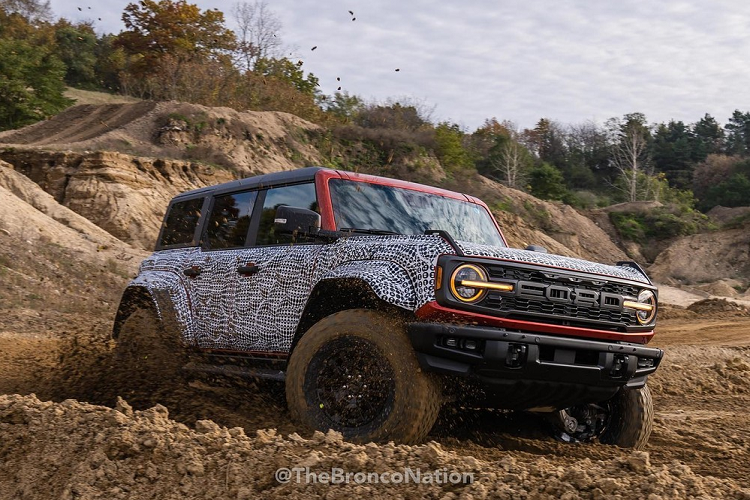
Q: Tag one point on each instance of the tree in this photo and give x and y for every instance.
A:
(450, 148)
(629, 152)
(738, 134)
(284, 69)
(734, 192)
(77, 47)
(547, 140)
(709, 138)
(343, 106)
(547, 182)
(391, 115)
(32, 10)
(486, 141)
(174, 28)
(31, 83)
(588, 156)
(722, 180)
(672, 153)
(510, 161)
(31, 75)
(258, 33)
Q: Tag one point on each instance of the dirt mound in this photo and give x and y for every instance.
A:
(724, 215)
(123, 195)
(245, 143)
(705, 257)
(723, 288)
(55, 266)
(121, 453)
(722, 307)
(669, 311)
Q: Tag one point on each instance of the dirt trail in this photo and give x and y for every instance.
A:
(79, 123)
(209, 441)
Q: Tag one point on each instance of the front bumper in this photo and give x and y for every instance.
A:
(526, 369)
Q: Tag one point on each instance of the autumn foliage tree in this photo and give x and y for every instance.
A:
(156, 29)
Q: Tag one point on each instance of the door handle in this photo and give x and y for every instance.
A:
(248, 270)
(192, 272)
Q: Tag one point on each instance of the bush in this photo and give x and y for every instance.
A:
(659, 223)
(547, 182)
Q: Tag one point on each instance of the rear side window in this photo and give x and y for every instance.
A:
(180, 224)
(300, 196)
(230, 220)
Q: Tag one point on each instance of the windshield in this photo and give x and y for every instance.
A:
(360, 205)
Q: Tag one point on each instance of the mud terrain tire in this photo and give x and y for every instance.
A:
(355, 371)
(632, 418)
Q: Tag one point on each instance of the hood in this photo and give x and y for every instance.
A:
(551, 260)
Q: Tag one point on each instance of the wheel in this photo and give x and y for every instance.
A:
(356, 372)
(631, 419)
(147, 352)
(624, 420)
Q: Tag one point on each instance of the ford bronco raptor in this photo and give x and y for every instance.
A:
(376, 300)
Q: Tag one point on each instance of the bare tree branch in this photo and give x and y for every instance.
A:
(258, 33)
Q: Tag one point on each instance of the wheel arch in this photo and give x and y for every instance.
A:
(350, 293)
(161, 291)
(134, 297)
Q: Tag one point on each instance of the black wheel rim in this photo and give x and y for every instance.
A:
(351, 383)
(592, 420)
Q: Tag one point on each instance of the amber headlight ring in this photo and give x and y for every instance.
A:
(645, 307)
(471, 274)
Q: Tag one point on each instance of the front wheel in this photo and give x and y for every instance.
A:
(625, 420)
(632, 418)
(356, 372)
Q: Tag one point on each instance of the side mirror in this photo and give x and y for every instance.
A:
(292, 220)
(536, 248)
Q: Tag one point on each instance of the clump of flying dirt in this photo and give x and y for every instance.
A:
(121, 453)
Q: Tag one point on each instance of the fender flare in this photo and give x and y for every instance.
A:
(388, 280)
(165, 292)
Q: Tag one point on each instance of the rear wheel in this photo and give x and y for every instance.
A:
(356, 372)
(147, 352)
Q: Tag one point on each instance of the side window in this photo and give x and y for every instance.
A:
(180, 223)
(300, 195)
(230, 220)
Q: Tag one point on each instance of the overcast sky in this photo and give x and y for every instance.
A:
(567, 60)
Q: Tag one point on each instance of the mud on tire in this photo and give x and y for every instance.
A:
(356, 372)
(632, 418)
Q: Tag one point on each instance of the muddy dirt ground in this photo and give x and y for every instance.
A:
(204, 439)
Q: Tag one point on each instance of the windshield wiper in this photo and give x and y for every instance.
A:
(367, 231)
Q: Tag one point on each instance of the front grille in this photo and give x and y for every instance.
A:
(508, 305)
(561, 298)
(599, 285)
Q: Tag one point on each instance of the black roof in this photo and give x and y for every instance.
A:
(259, 181)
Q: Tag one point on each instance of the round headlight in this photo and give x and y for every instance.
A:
(461, 283)
(645, 316)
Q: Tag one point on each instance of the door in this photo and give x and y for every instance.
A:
(270, 300)
(214, 273)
